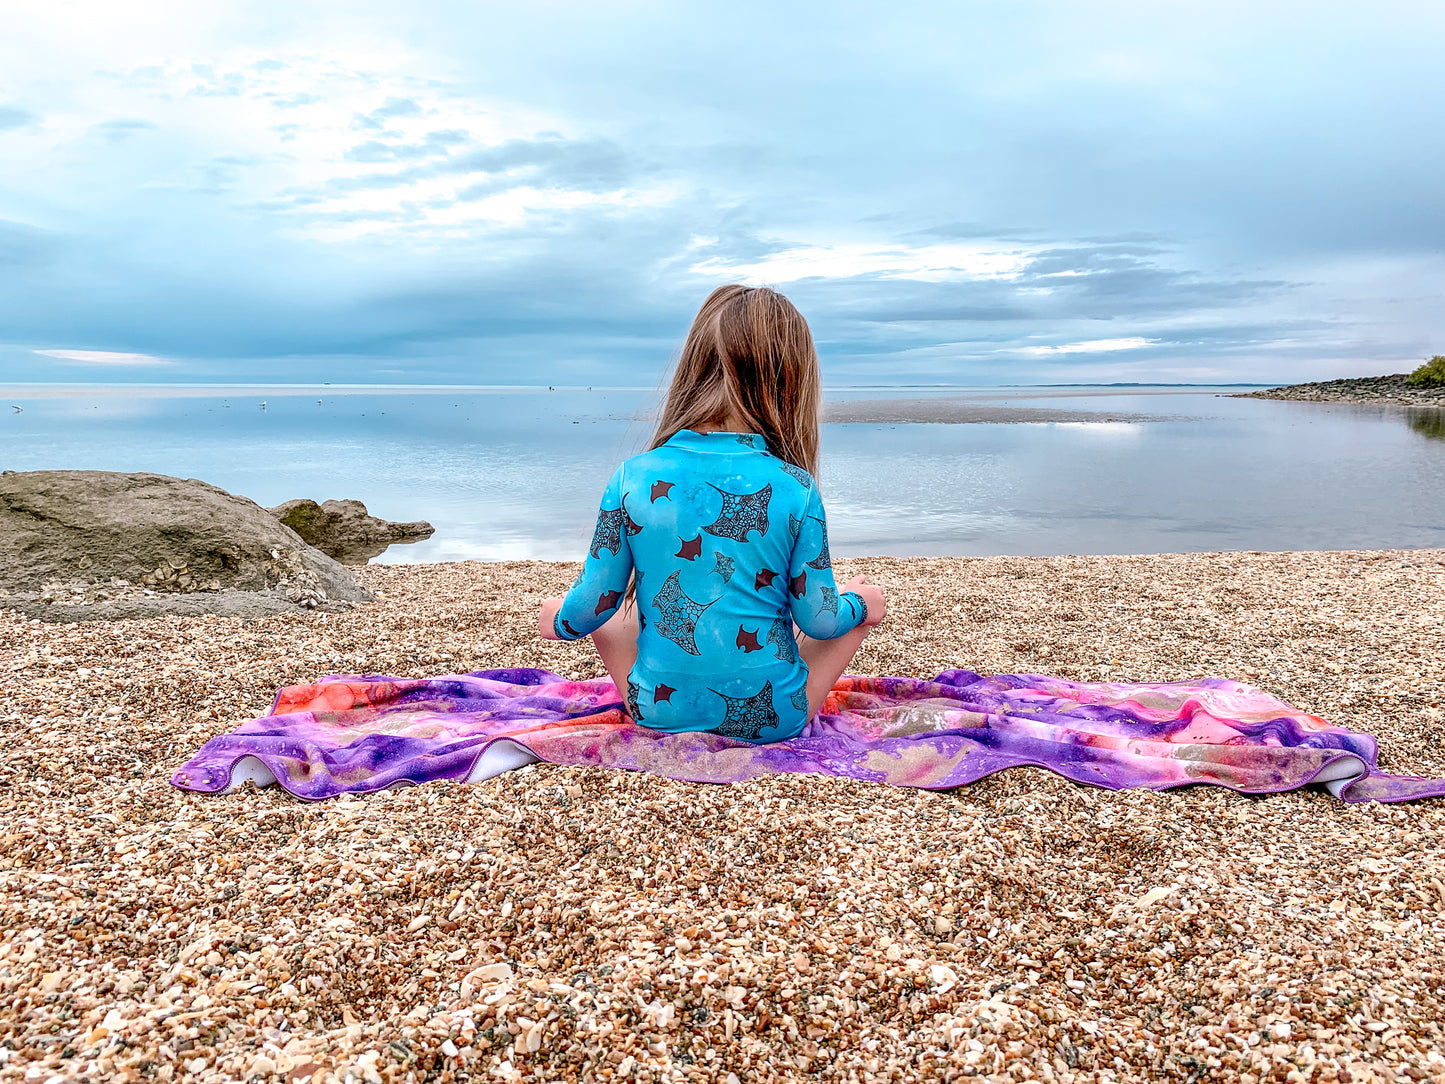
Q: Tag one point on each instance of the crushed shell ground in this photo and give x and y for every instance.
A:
(561, 924)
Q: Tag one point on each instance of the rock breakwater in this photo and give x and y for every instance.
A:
(1390, 389)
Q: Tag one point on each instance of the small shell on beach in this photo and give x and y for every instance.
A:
(490, 973)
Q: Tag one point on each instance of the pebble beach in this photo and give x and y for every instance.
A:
(566, 924)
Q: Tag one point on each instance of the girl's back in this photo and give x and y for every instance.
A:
(722, 525)
(730, 548)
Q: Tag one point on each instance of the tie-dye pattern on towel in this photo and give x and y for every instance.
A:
(352, 734)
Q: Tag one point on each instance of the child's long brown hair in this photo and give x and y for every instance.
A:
(749, 354)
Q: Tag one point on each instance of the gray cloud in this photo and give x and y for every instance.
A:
(960, 231)
(214, 84)
(569, 292)
(549, 163)
(375, 151)
(1065, 283)
(25, 246)
(12, 116)
(124, 128)
(432, 145)
(1197, 179)
(393, 107)
(594, 165)
(292, 101)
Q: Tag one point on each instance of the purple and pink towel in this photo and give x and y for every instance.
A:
(349, 734)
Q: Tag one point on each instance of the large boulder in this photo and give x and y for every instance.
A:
(345, 530)
(79, 544)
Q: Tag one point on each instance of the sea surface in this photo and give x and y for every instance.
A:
(508, 473)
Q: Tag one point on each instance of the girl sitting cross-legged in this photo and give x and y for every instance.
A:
(712, 545)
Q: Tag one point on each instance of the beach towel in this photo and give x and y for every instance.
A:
(350, 734)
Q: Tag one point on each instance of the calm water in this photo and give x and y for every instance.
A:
(517, 474)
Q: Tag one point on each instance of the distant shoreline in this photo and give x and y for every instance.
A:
(66, 389)
(1382, 390)
(963, 412)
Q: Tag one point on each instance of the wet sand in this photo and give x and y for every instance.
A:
(591, 925)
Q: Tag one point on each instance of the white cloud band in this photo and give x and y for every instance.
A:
(1092, 346)
(103, 357)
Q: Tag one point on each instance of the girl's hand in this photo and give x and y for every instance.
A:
(872, 598)
(546, 620)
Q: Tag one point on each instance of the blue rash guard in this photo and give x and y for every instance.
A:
(730, 548)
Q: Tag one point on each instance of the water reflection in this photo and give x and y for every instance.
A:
(1428, 422)
(508, 474)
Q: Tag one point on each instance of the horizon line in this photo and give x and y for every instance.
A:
(310, 386)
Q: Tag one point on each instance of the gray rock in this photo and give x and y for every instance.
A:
(344, 529)
(78, 545)
(1385, 390)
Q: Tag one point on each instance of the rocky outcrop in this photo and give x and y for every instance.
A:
(345, 531)
(78, 545)
(1365, 389)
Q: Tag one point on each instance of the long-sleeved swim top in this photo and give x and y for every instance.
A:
(729, 546)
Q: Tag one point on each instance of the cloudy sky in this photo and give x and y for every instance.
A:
(965, 191)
